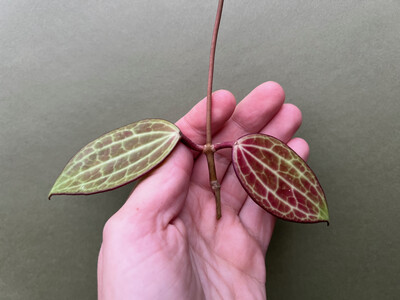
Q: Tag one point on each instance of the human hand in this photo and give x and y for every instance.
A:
(165, 242)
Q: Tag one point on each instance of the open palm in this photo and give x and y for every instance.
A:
(165, 242)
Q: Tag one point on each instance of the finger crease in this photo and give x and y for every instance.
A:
(239, 124)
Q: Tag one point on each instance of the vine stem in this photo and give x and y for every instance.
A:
(192, 145)
(223, 145)
(208, 148)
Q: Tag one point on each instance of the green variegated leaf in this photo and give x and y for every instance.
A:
(117, 158)
(278, 180)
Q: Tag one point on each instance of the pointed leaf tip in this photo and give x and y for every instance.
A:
(117, 158)
(278, 179)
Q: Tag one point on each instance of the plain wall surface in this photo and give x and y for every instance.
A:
(72, 70)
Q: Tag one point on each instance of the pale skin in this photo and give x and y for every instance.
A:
(165, 242)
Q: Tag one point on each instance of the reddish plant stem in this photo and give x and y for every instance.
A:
(223, 145)
(208, 148)
(192, 145)
(211, 71)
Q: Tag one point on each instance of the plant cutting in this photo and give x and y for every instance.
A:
(272, 174)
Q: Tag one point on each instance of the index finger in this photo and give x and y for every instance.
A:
(193, 124)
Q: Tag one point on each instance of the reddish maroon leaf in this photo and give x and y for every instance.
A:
(278, 180)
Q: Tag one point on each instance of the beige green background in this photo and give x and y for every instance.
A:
(72, 70)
